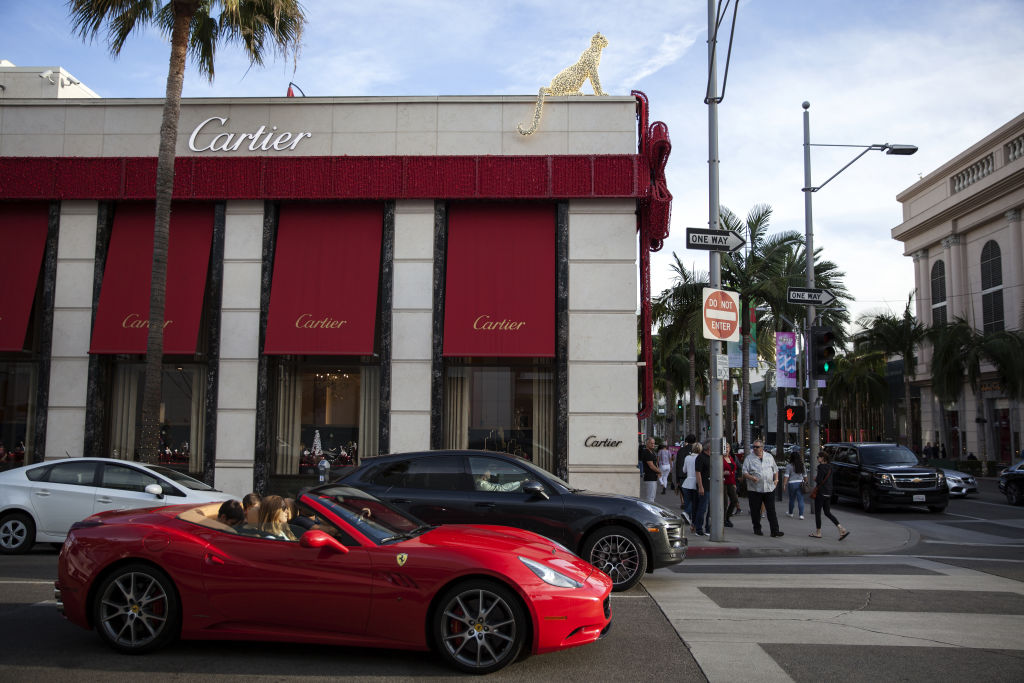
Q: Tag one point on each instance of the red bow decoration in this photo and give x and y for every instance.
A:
(653, 226)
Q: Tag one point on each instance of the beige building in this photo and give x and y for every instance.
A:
(360, 274)
(962, 226)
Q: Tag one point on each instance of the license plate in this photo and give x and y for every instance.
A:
(918, 498)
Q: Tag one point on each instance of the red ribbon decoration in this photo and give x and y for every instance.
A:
(653, 226)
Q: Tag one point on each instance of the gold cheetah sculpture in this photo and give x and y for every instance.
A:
(570, 80)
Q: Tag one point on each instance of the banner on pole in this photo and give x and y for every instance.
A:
(785, 360)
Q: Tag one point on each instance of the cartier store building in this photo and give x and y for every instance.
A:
(347, 275)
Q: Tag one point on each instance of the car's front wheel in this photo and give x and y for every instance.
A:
(866, 503)
(1014, 494)
(617, 552)
(17, 533)
(479, 626)
(137, 609)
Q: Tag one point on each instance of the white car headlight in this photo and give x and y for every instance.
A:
(549, 575)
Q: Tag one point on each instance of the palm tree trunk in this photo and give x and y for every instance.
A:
(744, 429)
(907, 407)
(692, 356)
(151, 394)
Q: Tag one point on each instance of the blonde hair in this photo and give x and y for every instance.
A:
(696, 447)
(270, 506)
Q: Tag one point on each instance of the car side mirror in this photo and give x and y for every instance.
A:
(536, 489)
(314, 538)
(155, 490)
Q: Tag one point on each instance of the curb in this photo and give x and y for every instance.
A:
(712, 551)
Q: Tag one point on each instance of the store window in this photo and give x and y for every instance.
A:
(323, 412)
(182, 406)
(505, 408)
(939, 316)
(17, 413)
(991, 288)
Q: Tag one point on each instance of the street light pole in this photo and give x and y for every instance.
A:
(714, 492)
(813, 418)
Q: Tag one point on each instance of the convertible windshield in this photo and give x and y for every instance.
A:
(183, 479)
(888, 455)
(374, 519)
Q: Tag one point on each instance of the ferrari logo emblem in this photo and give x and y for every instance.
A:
(401, 558)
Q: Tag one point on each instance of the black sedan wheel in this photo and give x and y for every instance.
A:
(137, 609)
(1014, 494)
(617, 552)
(17, 533)
(479, 627)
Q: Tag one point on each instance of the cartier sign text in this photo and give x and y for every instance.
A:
(259, 139)
(594, 442)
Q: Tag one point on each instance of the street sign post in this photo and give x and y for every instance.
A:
(713, 240)
(809, 296)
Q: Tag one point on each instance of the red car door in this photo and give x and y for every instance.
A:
(256, 583)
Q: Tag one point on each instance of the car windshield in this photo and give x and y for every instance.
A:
(183, 479)
(375, 519)
(888, 455)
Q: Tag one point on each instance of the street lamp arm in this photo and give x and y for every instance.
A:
(902, 150)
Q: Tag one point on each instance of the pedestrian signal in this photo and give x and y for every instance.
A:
(795, 414)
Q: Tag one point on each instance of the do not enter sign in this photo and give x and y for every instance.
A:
(721, 315)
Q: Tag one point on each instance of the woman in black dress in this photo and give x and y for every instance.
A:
(822, 495)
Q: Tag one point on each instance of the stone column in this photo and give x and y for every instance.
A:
(1013, 266)
(957, 298)
(411, 334)
(72, 330)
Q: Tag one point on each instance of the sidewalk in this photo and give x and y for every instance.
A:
(868, 534)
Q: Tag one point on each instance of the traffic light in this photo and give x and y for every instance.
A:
(822, 352)
(796, 414)
(679, 404)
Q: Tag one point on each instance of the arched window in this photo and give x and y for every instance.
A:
(939, 293)
(991, 287)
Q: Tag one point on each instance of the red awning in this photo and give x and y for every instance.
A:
(323, 300)
(122, 318)
(500, 286)
(23, 227)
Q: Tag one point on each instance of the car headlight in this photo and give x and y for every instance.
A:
(549, 575)
(884, 479)
(955, 481)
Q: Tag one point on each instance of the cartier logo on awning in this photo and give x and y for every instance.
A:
(484, 322)
(134, 321)
(308, 321)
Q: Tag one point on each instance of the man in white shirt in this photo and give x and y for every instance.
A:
(762, 476)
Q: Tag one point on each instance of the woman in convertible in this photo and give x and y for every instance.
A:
(274, 515)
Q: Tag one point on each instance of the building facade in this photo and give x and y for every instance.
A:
(962, 227)
(357, 275)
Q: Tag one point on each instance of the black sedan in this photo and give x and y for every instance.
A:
(623, 536)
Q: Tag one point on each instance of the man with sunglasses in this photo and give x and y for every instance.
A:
(762, 476)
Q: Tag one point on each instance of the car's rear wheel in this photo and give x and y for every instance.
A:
(866, 503)
(137, 609)
(617, 552)
(479, 626)
(17, 533)
(1014, 494)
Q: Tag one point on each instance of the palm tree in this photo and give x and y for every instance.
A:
(960, 351)
(858, 382)
(196, 28)
(679, 310)
(897, 334)
(754, 273)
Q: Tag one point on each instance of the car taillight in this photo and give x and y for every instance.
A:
(85, 524)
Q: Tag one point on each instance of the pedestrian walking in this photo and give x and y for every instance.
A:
(822, 495)
(794, 482)
(664, 466)
(702, 466)
(649, 471)
(681, 454)
(692, 487)
(762, 476)
(729, 467)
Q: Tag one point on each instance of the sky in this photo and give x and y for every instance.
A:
(938, 74)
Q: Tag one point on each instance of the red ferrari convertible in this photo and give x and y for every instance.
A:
(364, 574)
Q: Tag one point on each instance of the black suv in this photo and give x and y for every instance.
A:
(880, 474)
(622, 536)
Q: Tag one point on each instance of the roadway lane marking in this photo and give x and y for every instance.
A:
(966, 559)
(22, 582)
(979, 545)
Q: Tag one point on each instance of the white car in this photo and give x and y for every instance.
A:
(39, 503)
(960, 483)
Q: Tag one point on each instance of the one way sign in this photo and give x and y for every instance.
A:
(805, 295)
(713, 240)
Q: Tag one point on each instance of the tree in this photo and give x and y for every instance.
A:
(857, 383)
(679, 310)
(195, 28)
(754, 273)
(897, 335)
(961, 351)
